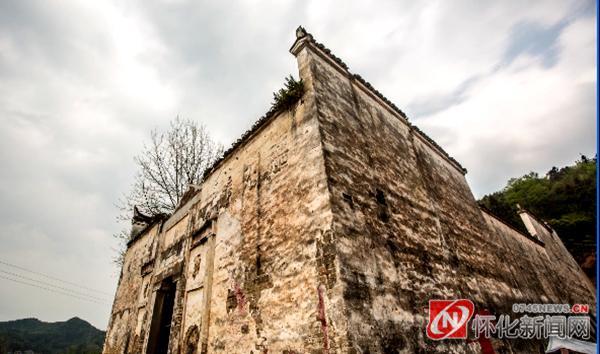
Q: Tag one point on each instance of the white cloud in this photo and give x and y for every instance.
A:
(84, 82)
(524, 116)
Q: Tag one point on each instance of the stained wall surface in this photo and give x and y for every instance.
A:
(327, 229)
(407, 228)
(130, 307)
(248, 252)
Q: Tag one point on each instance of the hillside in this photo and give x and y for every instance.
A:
(72, 336)
(565, 198)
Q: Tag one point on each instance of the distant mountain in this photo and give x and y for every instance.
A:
(69, 337)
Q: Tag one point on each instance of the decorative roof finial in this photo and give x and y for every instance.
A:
(300, 32)
(139, 217)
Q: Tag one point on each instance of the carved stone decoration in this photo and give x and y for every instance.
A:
(300, 32)
(250, 176)
(138, 222)
(196, 269)
(226, 194)
(191, 340)
(279, 162)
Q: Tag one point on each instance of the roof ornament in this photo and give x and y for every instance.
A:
(138, 217)
(300, 32)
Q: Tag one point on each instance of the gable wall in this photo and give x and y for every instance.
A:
(407, 228)
(248, 251)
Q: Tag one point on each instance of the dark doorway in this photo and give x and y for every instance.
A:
(160, 329)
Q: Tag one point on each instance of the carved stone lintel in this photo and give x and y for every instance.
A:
(148, 267)
(172, 271)
(203, 232)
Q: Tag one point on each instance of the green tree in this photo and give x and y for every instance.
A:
(565, 198)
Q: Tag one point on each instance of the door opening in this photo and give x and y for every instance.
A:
(160, 328)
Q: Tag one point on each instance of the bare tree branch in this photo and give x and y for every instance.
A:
(171, 161)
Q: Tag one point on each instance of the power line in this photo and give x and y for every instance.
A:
(54, 291)
(53, 278)
(54, 286)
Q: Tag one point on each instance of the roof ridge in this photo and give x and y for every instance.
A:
(504, 222)
(538, 219)
(239, 141)
(302, 33)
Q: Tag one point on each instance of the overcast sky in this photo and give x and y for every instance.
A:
(506, 87)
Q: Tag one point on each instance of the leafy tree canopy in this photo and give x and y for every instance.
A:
(72, 336)
(565, 198)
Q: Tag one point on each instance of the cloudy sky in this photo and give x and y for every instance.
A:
(506, 87)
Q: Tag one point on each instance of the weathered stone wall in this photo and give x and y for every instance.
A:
(407, 229)
(250, 251)
(272, 209)
(327, 230)
(129, 311)
(563, 267)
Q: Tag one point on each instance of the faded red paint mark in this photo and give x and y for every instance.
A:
(486, 346)
(321, 316)
(484, 343)
(240, 298)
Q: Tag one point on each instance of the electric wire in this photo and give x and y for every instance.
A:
(54, 286)
(54, 278)
(54, 291)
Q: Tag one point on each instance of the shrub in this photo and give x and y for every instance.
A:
(286, 97)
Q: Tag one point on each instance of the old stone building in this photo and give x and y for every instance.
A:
(326, 229)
